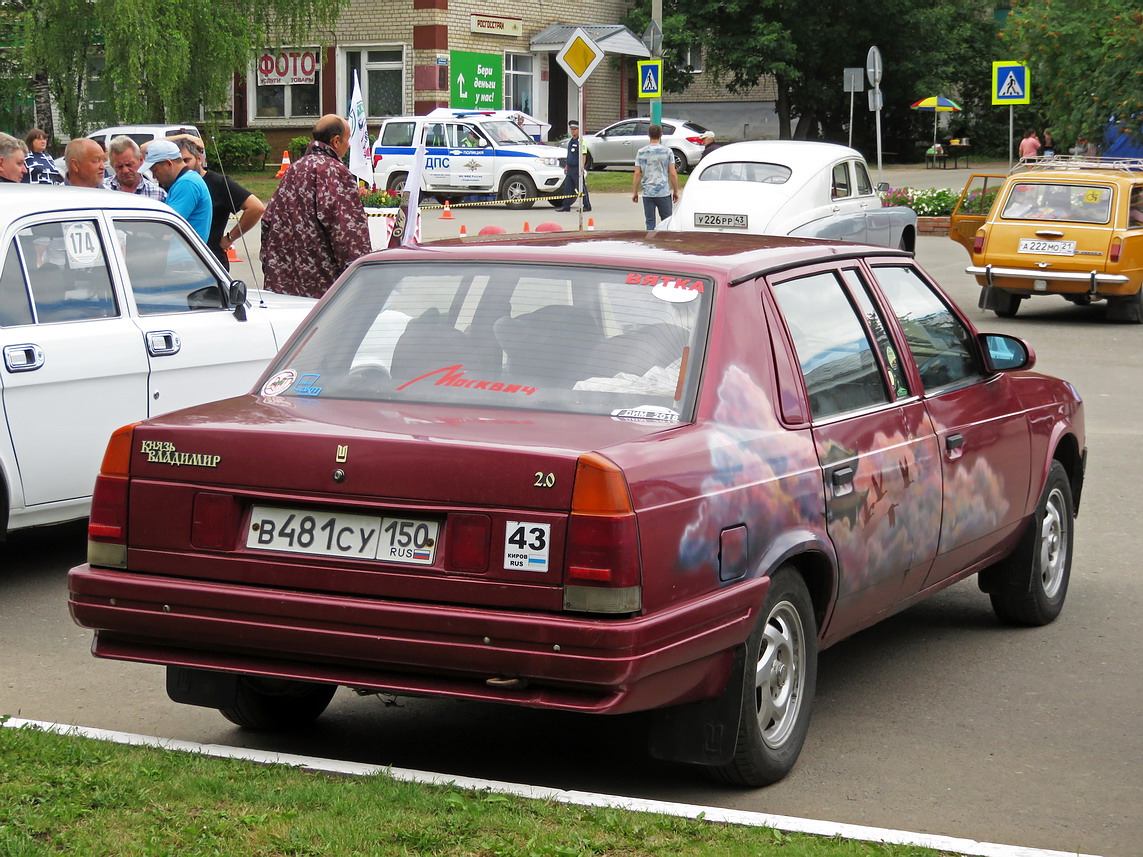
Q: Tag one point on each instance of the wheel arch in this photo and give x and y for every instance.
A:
(1069, 454)
(811, 555)
(5, 505)
(909, 239)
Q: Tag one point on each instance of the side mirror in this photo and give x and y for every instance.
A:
(1005, 353)
(883, 187)
(238, 299)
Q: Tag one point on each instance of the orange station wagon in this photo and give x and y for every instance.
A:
(1063, 225)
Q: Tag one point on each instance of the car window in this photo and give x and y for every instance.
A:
(859, 289)
(539, 337)
(67, 271)
(1046, 201)
(626, 129)
(746, 171)
(834, 351)
(864, 183)
(397, 134)
(167, 274)
(668, 129)
(503, 131)
(15, 305)
(694, 127)
(1135, 206)
(939, 342)
(840, 186)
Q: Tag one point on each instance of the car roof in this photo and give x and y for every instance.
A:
(23, 200)
(128, 129)
(726, 256)
(803, 157)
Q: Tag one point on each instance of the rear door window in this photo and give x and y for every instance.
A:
(67, 271)
(15, 305)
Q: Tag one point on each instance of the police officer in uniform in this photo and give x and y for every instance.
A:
(571, 171)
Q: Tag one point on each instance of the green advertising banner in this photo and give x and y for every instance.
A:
(476, 80)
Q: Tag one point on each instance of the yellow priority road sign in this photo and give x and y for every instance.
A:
(579, 56)
(650, 78)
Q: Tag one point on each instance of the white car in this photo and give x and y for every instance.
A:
(112, 310)
(468, 152)
(617, 144)
(787, 187)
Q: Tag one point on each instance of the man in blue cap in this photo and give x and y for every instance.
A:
(186, 191)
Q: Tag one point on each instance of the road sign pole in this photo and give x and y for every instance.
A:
(851, 119)
(1011, 133)
(582, 183)
(657, 19)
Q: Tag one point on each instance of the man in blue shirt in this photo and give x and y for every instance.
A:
(655, 176)
(186, 191)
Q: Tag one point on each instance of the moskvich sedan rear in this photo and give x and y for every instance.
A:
(599, 473)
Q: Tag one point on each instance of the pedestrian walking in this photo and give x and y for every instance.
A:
(655, 175)
(314, 225)
(572, 166)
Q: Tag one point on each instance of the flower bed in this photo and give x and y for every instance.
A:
(927, 202)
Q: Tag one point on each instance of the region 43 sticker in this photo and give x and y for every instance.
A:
(526, 545)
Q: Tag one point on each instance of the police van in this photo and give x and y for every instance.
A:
(468, 152)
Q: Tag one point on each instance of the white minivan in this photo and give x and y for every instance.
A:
(468, 152)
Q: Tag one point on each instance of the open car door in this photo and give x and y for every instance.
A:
(972, 209)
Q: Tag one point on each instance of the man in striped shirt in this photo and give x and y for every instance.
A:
(126, 161)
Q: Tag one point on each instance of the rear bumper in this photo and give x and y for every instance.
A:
(1022, 280)
(561, 661)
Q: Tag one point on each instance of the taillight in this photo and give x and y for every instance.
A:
(467, 538)
(978, 242)
(602, 571)
(698, 141)
(107, 526)
(376, 160)
(1116, 249)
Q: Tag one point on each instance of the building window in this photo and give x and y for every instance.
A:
(381, 70)
(518, 81)
(690, 60)
(287, 83)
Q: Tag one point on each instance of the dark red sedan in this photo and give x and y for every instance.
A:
(603, 473)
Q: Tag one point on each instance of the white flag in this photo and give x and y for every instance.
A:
(411, 235)
(360, 150)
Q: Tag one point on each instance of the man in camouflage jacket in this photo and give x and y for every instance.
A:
(314, 225)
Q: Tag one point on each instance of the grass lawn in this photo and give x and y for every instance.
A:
(263, 184)
(77, 796)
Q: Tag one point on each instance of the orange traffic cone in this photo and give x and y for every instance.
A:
(591, 224)
(232, 254)
(527, 228)
(447, 213)
(285, 164)
(463, 231)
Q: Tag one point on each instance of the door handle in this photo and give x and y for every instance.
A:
(23, 358)
(162, 343)
(954, 442)
(842, 480)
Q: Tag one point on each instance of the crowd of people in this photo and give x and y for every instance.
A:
(312, 228)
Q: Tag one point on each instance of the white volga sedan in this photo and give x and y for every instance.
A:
(112, 310)
(787, 187)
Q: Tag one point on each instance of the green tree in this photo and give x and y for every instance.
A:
(161, 60)
(1085, 61)
(925, 45)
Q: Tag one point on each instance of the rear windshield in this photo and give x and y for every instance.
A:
(613, 341)
(745, 171)
(1045, 201)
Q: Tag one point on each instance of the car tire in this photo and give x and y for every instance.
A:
(1127, 310)
(589, 162)
(397, 182)
(517, 191)
(270, 705)
(778, 690)
(680, 161)
(1006, 304)
(1029, 586)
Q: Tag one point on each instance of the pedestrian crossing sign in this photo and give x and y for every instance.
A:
(1010, 83)
(650, 78)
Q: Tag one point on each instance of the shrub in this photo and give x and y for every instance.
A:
(927, 202)
(298, 146)
(240, 150)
